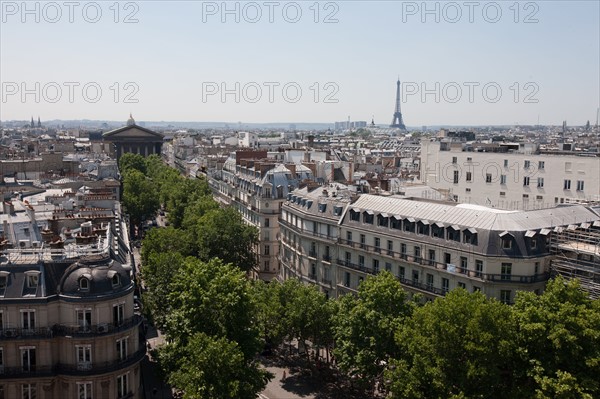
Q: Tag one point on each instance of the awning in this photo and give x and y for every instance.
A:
(383, 215)
(545, 232)
(440, 225)
(504, 233)
(356, 209)
(369, 212)
(424, 221)
(530, 233)
(455, 227)
(397, 217)
(412, 220)
(472, 230)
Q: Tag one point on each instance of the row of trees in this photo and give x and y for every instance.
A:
(461, 346)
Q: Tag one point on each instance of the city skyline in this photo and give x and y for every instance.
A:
(519, 63)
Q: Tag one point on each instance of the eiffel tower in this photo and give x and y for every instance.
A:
(397, 121)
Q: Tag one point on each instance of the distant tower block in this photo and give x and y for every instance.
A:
(397, 121)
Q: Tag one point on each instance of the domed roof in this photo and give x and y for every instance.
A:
(130, 121)
(95, 276)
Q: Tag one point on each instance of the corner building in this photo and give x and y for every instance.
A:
(335, 238)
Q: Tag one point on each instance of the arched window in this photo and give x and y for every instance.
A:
(84, 284)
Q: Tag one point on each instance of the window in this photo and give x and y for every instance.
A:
(526, 181)
(122, 386)
(348, 258)
(461, 285)
(118, 314)
(84, 284)
(28, 358)
(488, 177)
(506, 163)
(463, 264)
(362, 240)
(84, 390)
(403, 251)
(84, 319)
(267, 222)
(541, 165)
(401, 272)
(417, 254)
(375, 266)
(507, 242)
(533, 243)
(347, 279)
(478, 267)
(1, 362)
(567, 184)
(84, 357)
(429, 280)
(502, 193)
(505, 296)
(313, 271)
(445, 284)
(361, 261)
(469, 159)
(579, 185)
(354, 216)
(476, 289)
(390, 247)
(540, 182)
(456, 176)
(32, 280)
(28, 319)
(349, 237)
(454, 160)
(377, 242)
(415, 276)
(502, 179)
(28, 391)
(468, 190)
(505, 271)
(267, 250)
(447, 258)
(526, 164)
(3, 283)
(122, 348)
(388, 266)
(431, 257)
(525, 196)
(469, 176)
(266, 265)
(116, 280)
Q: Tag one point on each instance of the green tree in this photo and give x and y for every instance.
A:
(166, 240)
(223, 234)
(216, 299)
(459, 346)
(158, 272)
(212, 367)
(139, 196)
(559, 341)
(365, 325)
(130, 161)
(181, 195)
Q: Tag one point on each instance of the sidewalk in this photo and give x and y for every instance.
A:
(154, 386)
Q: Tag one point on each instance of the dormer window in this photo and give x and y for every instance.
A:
(116, 281)
(32, 280)
(84, 284)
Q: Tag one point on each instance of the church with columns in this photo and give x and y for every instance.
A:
(133, 139)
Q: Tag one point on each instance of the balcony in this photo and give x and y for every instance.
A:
(74, 369)
(26, 333)
(326, 281)
(327, 258)
(312, 254)
(97, 329)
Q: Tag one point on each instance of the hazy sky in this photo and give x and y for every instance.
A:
(276, 61)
